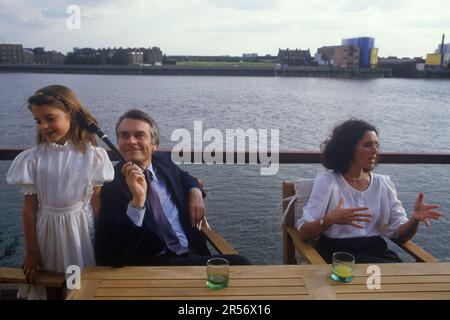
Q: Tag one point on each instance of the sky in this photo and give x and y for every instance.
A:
(403, 28)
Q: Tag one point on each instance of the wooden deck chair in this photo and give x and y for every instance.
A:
(217, 241)
(297, 251)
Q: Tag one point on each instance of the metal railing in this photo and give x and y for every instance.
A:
(284, 156)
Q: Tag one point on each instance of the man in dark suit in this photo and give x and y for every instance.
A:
(150, 210)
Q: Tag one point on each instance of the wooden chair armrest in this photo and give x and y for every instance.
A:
(415, 251)
(217, 241)
(53, 281)
(307, 250)
(43, 278)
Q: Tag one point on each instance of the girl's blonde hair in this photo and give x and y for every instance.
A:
(64, 99)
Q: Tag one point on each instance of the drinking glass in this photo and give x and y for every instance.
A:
(217, 273)
(343, 265)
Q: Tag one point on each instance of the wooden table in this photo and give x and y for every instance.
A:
(398, 281)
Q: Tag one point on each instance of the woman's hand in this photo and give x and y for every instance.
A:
(135, 179)
(342, 215)
(423, 212)
(31, 264)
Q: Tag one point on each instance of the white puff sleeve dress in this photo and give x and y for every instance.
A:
(63, 180)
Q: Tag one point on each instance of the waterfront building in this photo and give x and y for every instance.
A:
(115, 56)
(402, 67)
(254, 57)
(446, 52)
(16, 54)
(446, 48)
(295, 57)
(87, 56)
(153, 56)
(135, 57)
(433, 60)
(338, 56)
(368, 52)
(28, 56)
(11, 54)
(373, 60)
(48, 57)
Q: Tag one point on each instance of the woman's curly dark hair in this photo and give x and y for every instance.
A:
(338, 150)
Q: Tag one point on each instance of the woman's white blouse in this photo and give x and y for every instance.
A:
(380, 197)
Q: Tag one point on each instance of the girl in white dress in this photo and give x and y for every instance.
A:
(61, 180)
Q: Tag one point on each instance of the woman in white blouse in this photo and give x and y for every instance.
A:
(351, 207)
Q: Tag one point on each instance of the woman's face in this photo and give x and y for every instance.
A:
(366, 151)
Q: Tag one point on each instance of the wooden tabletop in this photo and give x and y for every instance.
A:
(398, 281)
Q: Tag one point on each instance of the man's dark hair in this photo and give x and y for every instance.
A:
(338, 150)
(140, 115)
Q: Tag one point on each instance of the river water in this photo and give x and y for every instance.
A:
(411, 115)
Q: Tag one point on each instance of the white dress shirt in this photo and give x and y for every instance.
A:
(168, 206)
(380, 197)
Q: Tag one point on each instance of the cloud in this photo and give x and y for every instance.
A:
(54, 13)
(243, 27)
(249, 5)
(206, 27)
(364, 5)
(21, 17)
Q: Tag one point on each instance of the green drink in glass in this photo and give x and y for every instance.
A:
(217, 273)
(217, 281)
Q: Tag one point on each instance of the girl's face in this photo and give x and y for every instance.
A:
(53, 124)
(366, 151)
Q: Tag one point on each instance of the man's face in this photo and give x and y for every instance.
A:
(135, 142)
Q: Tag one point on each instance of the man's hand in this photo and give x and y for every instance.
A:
(135, 179)
(196, 206)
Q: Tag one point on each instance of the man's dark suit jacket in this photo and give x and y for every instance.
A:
(119, 242)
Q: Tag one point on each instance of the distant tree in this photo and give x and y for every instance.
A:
(168, 61)
(10, 249)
